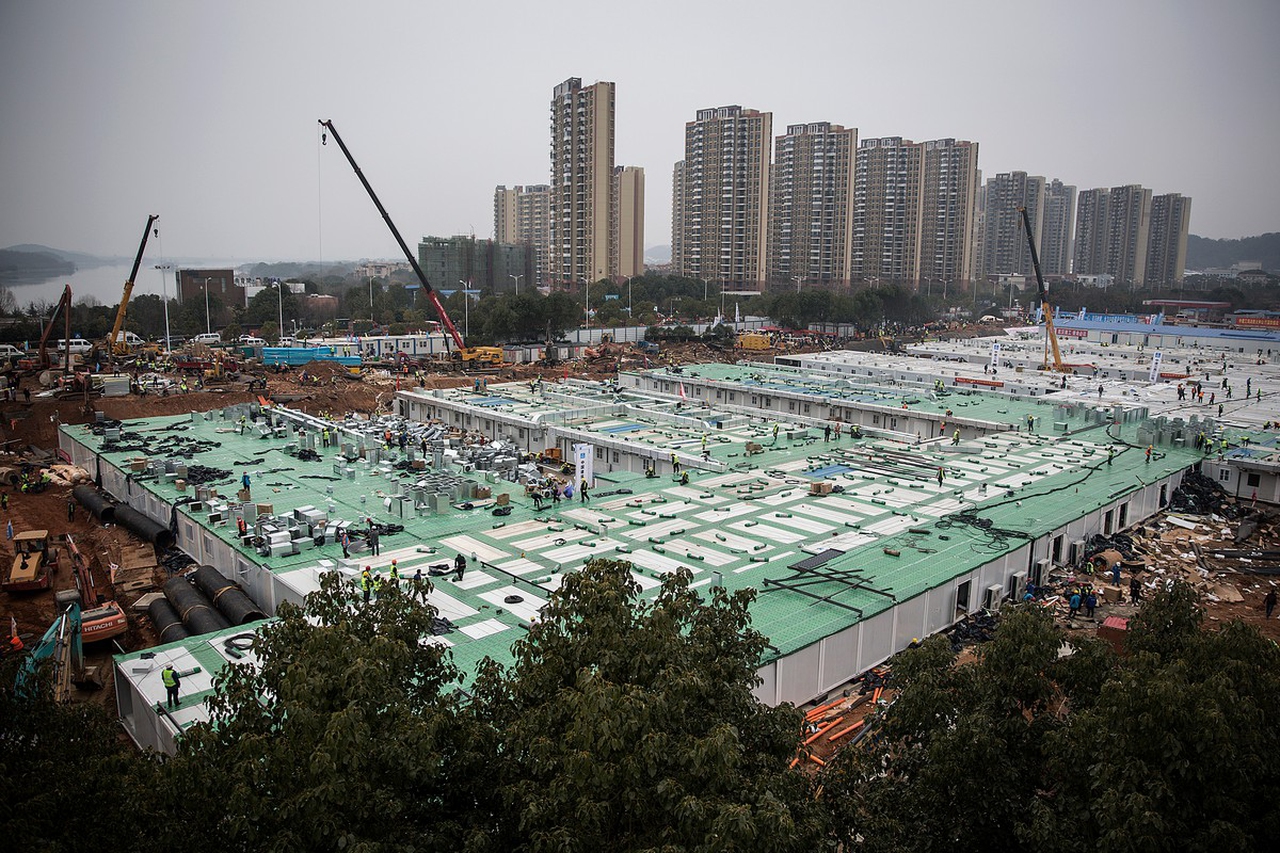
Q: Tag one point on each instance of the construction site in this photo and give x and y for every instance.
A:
(869, 499)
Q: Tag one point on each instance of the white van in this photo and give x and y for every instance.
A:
(208, 338)
(78, 346)
(130, 339)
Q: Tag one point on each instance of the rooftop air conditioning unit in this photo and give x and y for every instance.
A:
(993, 597)
(1017, 585)
(1041, 570)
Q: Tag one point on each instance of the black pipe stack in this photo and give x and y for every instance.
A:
(168, 623)
(96, 502)
(195, 609)
(227, 596)
(156, 534)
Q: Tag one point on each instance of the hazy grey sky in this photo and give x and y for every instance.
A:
(205, 113)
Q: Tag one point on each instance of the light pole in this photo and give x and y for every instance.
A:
(797, 279)
(516, 279)
(164, 295)
(705, 284)
(280, 293)
(371, 300)
(466, 309)
(207, 327)
(588, 286)
(629, 297)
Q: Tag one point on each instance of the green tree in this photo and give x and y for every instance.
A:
(1163, 749)
(64, 768)
(346, 736)
(630, 725)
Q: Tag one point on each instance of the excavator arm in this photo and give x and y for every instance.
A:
(1045, 308)
(413, 262)
(114, 343)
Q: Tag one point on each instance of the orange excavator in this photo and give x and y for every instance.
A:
(101, 618)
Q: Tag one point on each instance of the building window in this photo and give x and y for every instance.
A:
(1254, 480)
(1224, 475)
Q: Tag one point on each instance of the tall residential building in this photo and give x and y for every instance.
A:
(522, 215)
(1092, 229)
(1167, 249)
(1112, 231)
(724, 189)
(1129, 227)
(886, 220)
(677, 216)
(811, 203)
(980, 231)
(1057, 231)
(948, 187)
(582, 135)
(628, 220)
(1004, 245)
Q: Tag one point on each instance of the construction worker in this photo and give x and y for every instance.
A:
(459, 567)
(675, 464)
(1111, 454)
(366, 582)
(172, 681)
(344, 538)
(583, 497)
(955, 438)
(775, 433)
(941, 474)
(244, 481)
(1148, 452)
(395, 574)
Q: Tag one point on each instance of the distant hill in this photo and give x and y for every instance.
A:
(658, 254)
(16, 265)
(80, 259)
(1203, 253)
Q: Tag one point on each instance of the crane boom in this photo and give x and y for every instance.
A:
(1050, 332)
(114, 343)
(422, 277)
(42, 353)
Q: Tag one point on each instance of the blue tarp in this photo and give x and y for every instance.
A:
(296, 356)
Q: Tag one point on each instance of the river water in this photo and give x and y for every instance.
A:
(104, 283)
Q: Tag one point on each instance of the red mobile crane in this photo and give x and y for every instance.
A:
(1050, 334)
(491, 355)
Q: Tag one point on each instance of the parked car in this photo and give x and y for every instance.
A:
(8, 351)
(250, 341)
(208, 338)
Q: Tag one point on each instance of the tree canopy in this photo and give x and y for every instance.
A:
(628, 724)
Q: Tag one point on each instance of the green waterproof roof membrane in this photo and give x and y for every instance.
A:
(743, 526)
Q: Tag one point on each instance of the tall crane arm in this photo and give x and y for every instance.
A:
(113, 343)
(413, 261)
(1045, 308)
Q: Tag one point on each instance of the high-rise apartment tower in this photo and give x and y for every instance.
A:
(721, 202)
(811, 204)
(582, 202)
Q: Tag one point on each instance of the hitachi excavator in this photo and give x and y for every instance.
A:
(468, 356)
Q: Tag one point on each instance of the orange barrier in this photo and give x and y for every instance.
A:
(822, 730)
(987, 383)
(846, 730)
